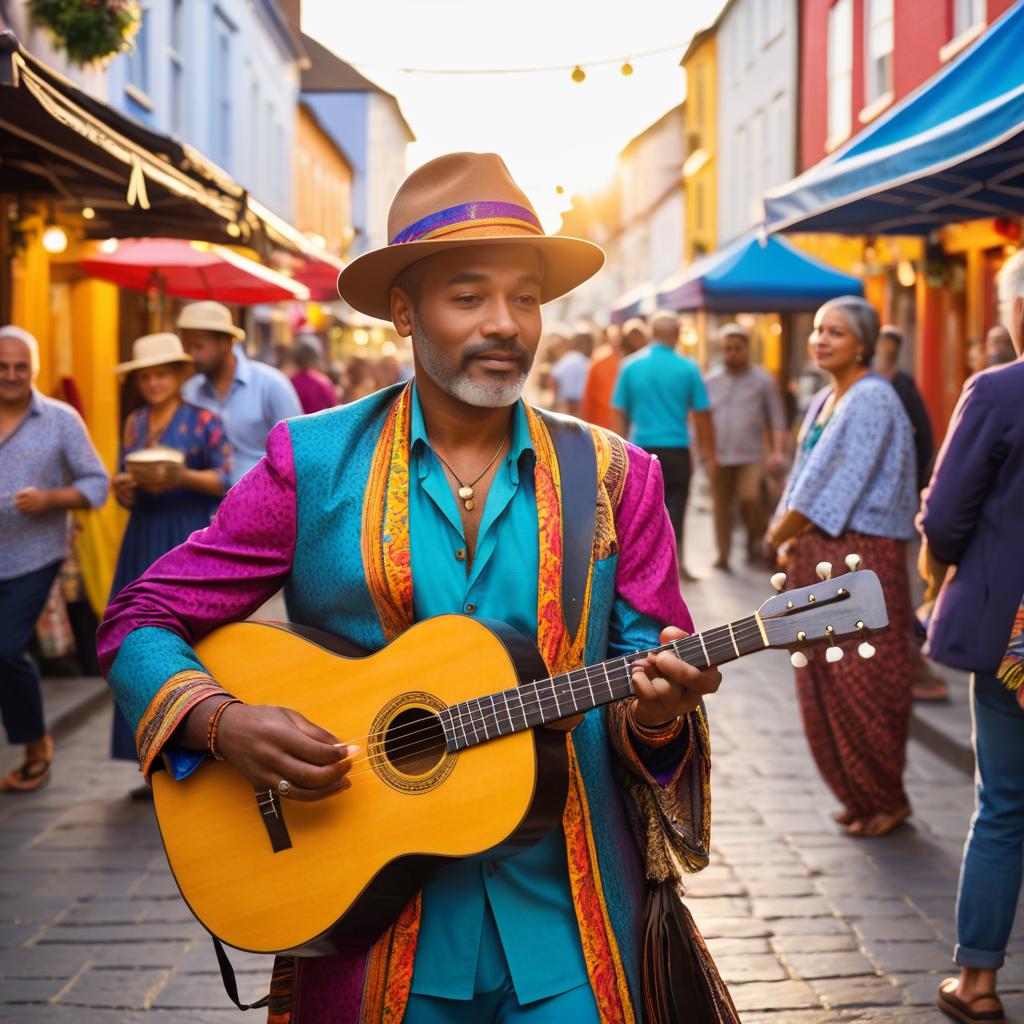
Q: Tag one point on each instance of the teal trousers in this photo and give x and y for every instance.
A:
(576, 1006)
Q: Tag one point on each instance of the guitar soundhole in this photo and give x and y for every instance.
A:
(414, 742)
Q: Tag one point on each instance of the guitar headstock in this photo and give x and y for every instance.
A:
(826, 613)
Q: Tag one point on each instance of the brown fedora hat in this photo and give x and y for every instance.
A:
(457, 200)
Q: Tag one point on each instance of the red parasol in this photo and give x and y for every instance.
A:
(192, 270)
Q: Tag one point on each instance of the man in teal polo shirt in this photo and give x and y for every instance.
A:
(655, 394)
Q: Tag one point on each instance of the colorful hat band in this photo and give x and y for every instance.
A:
(457, 218)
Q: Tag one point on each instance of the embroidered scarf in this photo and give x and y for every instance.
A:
(388, 568)
(1011, 669)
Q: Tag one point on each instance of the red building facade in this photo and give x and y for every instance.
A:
(857, 58)
(924, 35)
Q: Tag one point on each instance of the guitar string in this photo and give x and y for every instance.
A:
(542, 700)
(744, 633)
(741, 634)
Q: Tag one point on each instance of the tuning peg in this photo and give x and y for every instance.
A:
(834, 654)
(824, 570)
(853, 562)
(798, 659)
(778, 581)
(866, 650)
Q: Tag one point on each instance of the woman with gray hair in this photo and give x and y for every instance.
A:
(853, 491)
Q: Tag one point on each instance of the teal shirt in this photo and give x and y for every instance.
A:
(477, 914)
(657, 389)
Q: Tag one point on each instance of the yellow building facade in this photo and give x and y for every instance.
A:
(75, 321)
(700, 172)
(323, 185)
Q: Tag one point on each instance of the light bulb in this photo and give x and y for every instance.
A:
(55, 239)
(626, 69)
(88, 212)
(578, 74)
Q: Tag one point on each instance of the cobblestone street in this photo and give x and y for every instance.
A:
(807, 926)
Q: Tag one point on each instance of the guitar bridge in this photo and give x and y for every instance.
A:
(273, 820)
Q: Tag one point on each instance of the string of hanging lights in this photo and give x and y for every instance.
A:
(577, 71)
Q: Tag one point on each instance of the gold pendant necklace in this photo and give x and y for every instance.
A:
(466, 490)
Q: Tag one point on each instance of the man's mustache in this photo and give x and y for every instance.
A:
(498, 349)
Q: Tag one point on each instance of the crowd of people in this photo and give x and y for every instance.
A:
(857, 474)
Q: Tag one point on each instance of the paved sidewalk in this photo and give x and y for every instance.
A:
(807, 925)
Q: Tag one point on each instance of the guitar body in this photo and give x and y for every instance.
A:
(355, 859)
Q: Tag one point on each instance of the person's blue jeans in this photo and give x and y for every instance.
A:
(990, 876)
(22, 600)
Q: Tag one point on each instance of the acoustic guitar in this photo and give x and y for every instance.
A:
(453, 761)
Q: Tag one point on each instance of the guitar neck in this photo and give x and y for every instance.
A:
(549, 700)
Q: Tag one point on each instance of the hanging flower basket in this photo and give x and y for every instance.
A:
(88, 30)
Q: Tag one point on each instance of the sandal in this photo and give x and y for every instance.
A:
(844, 817)
(953, 1006)
(879, 824)
(930, 688)
(31, 775)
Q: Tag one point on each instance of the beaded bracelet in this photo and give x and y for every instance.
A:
(211, 732)
(653, 736)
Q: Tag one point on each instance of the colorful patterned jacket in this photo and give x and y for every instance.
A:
(336, 484)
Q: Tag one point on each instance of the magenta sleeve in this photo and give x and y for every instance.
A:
(647, 572)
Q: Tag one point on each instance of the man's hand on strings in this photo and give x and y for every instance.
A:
(666, 686)
(269, 745)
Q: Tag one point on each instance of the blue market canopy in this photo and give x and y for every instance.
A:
(951, 151)
(752, 276)
(638, 301)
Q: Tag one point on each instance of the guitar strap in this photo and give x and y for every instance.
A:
(577, 471)
(227, 976)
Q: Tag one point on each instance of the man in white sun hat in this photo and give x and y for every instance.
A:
(249, 396)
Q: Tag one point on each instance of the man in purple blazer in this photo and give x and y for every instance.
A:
(972, 519)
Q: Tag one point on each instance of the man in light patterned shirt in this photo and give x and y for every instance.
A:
(47, 466)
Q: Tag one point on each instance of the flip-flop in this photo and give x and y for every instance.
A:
(953, 1006)
(33, 774)
(931, 689)
(879, 824)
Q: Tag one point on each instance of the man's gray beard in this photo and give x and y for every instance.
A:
(458, 385)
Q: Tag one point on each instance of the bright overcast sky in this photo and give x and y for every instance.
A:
(550, 130)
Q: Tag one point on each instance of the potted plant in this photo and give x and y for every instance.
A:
(88, 30)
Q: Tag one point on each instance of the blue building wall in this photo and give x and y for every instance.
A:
(345, 116)
(220, 76)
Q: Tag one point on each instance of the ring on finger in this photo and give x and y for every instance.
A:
(284, 787)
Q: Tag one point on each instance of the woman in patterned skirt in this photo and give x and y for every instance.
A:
(853, 491)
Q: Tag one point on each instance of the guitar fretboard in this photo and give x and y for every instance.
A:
(548, 700)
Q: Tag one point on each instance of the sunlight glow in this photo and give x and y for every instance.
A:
(550, 130)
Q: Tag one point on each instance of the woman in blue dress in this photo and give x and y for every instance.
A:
(164, 515)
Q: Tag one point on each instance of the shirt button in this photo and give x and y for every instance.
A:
(461, 554)
(470, 608)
